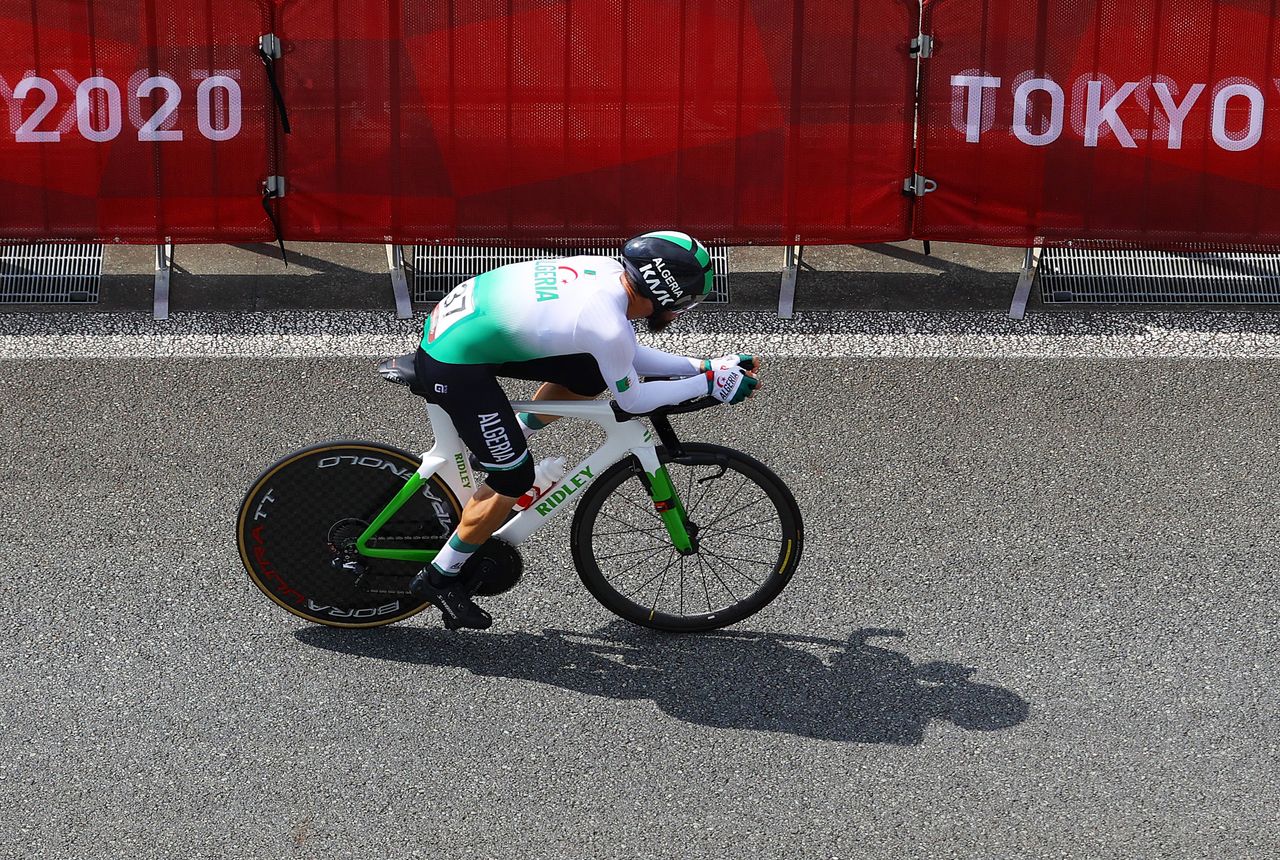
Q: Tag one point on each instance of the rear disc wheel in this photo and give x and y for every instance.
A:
(300, 519)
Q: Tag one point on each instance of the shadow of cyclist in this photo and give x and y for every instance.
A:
(764, 681)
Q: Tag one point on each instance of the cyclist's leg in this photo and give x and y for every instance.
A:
(563, 377)
(483, 417)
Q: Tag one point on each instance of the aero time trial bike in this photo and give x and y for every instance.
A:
(678, 536)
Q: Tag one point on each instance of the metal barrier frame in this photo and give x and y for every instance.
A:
(463, 255)
(27, 269)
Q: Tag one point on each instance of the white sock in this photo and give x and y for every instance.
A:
(528, 424)
(454, 555)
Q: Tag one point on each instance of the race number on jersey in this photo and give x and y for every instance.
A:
(456, 306)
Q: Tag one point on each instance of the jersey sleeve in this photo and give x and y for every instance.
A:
(655, 362)
(609, 339)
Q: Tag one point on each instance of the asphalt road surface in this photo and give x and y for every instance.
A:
(1036, 617)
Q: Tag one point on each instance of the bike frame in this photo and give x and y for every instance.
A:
(448, 459)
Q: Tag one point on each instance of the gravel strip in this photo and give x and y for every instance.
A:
(817, 334)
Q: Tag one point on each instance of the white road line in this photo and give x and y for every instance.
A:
(828, 334)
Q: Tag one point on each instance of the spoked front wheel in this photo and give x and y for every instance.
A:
(747, 535)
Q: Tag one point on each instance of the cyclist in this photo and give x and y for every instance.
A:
(564, 322)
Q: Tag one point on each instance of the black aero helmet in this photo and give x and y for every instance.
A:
(672, 269)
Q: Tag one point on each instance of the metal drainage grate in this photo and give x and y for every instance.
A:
(53, 273)
(436, 269)
(1199, 275)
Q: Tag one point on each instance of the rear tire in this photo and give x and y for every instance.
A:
(750, 535)
(311, 503)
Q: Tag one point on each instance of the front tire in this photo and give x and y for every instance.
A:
(749, 538)
(305, 510)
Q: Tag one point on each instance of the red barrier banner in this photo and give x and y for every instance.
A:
(133, 120)
(745, 121)
(1137, 120)
(769, 121)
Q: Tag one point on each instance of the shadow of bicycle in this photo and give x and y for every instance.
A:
(802, 685)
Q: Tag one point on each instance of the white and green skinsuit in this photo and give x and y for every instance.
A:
(563, 306)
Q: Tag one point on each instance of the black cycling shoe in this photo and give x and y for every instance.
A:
(451, 596)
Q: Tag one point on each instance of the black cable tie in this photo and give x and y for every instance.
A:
(269, 62)
(269, 193)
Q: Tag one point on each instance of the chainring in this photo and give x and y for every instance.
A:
(496, 567)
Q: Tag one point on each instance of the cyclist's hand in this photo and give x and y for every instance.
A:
(737, 359)
(732, 385)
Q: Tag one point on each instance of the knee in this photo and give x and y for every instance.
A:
(512, 482)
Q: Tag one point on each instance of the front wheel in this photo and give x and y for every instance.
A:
(748, 537)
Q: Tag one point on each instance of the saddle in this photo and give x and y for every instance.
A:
(399, 370)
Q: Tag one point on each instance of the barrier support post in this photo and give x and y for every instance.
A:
(164, 266)
(399, 283)
(1022, 293)
(790, 271)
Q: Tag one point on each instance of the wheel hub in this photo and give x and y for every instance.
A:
(342, 545)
